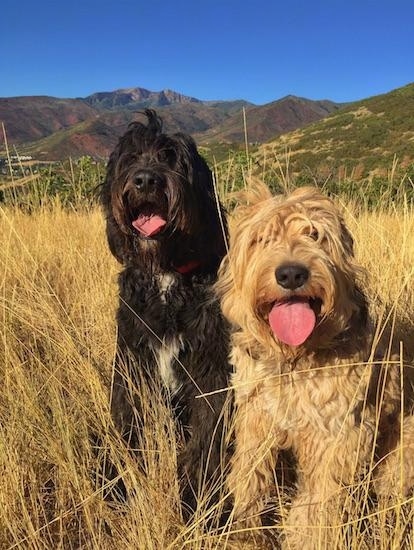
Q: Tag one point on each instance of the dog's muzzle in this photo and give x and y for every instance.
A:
(145, 203)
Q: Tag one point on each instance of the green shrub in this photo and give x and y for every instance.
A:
(73, 183)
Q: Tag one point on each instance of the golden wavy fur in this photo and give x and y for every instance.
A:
(326, 399)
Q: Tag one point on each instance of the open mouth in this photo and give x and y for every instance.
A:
(148, 220)
(293, 320)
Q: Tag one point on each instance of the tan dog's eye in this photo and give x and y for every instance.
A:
(314, 234)
(263, 241)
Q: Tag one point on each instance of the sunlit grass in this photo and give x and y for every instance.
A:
(58, 295)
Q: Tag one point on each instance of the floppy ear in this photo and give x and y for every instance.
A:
(203, 210)
(347, 239)
(119, 244)
(341, 235)
(225, 289)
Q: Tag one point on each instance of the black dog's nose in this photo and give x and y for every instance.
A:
(291, 276)
(147, 180)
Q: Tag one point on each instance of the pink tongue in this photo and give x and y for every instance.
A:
(292, 322)
(149, 225)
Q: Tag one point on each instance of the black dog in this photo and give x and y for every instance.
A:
(165, 226)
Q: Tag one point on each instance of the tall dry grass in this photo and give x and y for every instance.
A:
(57, 303)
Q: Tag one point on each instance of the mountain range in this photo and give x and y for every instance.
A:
(52, 128)
(322, 138)
(374, 136)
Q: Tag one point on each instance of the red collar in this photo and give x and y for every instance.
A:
(192, 265)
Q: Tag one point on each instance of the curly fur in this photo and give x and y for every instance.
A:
(170, 327)
(325, 400)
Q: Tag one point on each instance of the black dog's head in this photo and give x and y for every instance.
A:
(159, 199)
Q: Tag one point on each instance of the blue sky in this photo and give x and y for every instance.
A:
(260, 50)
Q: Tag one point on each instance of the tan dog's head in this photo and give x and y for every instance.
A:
(290, 280)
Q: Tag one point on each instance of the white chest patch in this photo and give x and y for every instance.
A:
(165, 282)
(165, 358)
(167, 353)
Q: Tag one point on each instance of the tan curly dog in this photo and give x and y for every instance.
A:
(305, 374)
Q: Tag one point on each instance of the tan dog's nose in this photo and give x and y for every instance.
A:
(291, 276)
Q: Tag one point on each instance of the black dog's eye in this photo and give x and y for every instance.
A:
(168, 156)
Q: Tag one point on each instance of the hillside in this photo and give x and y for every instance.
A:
(93, 137)
(323, 138)
(53, 129)
(34, 117)
(270, 120)
(361, 139)
(98, 136)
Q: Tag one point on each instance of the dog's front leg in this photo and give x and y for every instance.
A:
(252, 469)
(124, 417)
(202, 461)
(129, 388)
(129, 402)
(326, 465)
(313, 510)
(394, 475)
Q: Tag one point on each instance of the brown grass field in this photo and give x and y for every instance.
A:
(57, 304)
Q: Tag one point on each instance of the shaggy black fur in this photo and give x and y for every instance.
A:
(170, 327)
